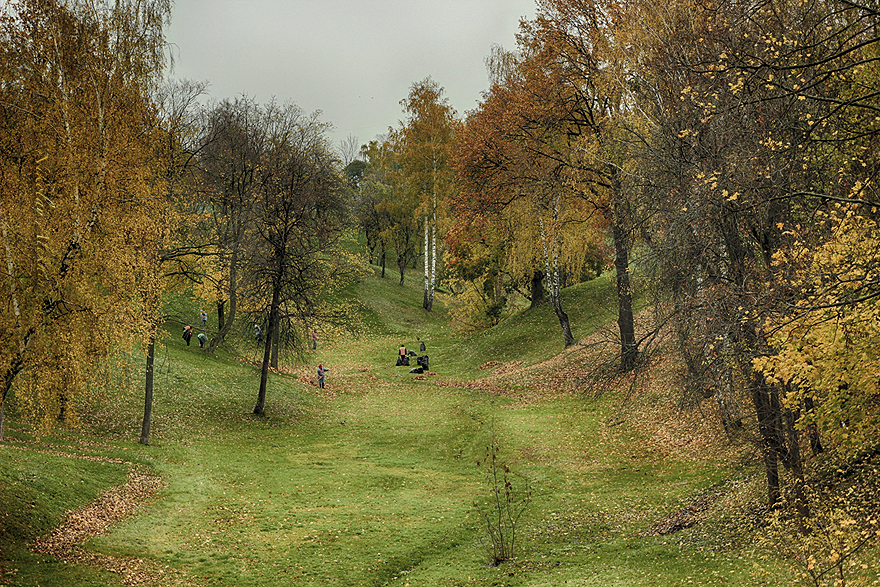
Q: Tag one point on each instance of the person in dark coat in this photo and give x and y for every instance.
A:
(187, 333)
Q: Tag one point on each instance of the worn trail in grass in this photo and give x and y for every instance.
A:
(371, 481)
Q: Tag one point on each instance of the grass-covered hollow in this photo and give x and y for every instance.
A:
(373, 480)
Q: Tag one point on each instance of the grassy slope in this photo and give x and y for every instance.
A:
(371, 482)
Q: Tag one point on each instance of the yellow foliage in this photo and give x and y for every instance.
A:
(827, 345)
(81, 223)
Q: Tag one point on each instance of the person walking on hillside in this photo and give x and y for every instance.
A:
(258, 333)
(314, 338)
(187, 333)
(203, 316)
(322, 374)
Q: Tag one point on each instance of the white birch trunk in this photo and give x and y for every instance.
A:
(433, 257)
(427, 264)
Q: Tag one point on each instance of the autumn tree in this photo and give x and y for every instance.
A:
(388, 205)
(298, 211)
(754, 133)
(585, 57)
(424, 140)
(375, 188)
(77, 184)
(520, 154)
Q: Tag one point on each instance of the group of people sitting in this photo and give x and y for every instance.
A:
(403, 357)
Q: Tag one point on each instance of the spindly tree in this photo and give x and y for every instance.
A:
(373, 205)
(233, 142)
(77, 184)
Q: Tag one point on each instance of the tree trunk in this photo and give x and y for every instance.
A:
(13, 370)
(426, 304)
(148, 392)
(267, 348)
(552, 271)
(794, 462)
(629, 348)
(401, 265)
(556, 301)
(276, 342)
(433, 258)
(813, 431)
(537, 289)
(382, 259)
(233, 303)
(221, 318)
(768, 421)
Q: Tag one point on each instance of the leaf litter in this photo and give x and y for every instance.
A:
(118, 503)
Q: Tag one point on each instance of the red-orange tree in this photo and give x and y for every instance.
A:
(552, 132)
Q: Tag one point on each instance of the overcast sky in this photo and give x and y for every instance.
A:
(354, 60)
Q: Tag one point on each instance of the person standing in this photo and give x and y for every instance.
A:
(187, 333)
(322, 374)
(258, 333)
(314, 338)
(203, 316)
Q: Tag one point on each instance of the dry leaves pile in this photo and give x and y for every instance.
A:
(116, 504)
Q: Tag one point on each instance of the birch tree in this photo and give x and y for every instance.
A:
(76, 187)
(425, 141)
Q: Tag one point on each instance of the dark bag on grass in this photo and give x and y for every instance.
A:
(423, 361)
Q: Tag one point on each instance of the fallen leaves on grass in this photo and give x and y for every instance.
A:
(686, 517)
(116, 504)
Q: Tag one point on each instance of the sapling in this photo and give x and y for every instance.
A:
(505, 505)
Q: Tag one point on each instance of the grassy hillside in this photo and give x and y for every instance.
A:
(373, 480)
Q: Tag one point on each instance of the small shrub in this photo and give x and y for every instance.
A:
(505, 505)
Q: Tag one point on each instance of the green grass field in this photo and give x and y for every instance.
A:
(372, 481)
